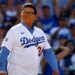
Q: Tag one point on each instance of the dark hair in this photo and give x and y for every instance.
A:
(30, 5)
(45, 6)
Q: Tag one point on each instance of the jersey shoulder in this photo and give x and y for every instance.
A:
(38, 29)
(15, 28)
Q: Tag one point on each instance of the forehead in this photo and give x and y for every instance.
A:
(28, 9)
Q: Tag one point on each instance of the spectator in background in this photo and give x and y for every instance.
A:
(62, 29)
(68, 62)
(2, 7)
(11, 12)
(11, 15)
(72, 15)
(47, 20)
(41, 3)
(72, 29)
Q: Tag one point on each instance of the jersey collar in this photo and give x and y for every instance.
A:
(31, 30)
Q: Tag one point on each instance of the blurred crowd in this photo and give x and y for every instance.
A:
(56, 18)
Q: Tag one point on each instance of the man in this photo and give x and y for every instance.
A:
(24, 43)
(48, 22)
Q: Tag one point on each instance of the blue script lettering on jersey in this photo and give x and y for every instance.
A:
(27, 42)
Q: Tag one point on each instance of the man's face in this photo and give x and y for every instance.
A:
(28, 16)
(46, 12)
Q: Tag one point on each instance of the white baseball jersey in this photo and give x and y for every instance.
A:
(25, 48)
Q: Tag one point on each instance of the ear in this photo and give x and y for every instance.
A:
(21, 13)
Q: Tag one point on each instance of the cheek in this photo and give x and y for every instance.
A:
(23, 17)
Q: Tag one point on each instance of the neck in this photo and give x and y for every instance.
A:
(27, 24)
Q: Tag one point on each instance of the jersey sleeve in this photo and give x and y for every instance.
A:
(8, 41)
